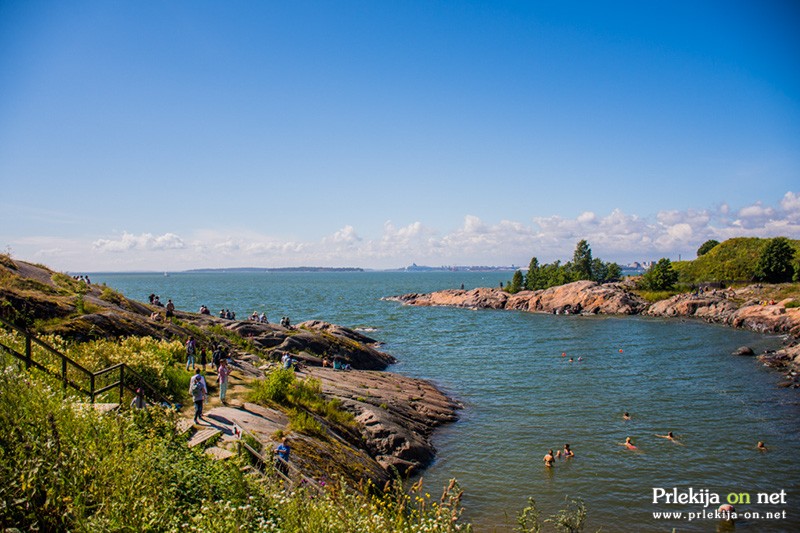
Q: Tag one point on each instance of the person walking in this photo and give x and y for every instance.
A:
(222, 378)
(199, 391)
(191, 348)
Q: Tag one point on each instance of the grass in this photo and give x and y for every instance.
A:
(655, 296)
(76, 469)
(282, 388)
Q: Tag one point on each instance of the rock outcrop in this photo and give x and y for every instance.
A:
(732, 308)
(397, 414)
(580, 297)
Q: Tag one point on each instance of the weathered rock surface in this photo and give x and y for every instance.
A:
(572, 298)
(787, 360)
(397, 414)
(733, 308)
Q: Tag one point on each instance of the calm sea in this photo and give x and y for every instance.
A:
(521, 397)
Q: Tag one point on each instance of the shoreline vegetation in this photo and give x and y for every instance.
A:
(356, 435)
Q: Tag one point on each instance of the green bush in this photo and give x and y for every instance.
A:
(273, 389)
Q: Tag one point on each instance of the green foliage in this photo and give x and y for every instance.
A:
(68, 284)
(6, 261)
(569, 520)
(528, 519)
(706, 247)
(582, 261)
(660, 277)
(302, 422)
(583, 266)
(281, 387)
(149, 357)
(532, 277)
(74, 469)
(516, 284)
(110, 295)
(734, 260)
(273, 389)
(776, 262)
(793, 304)
(234, 338)
(656, 296)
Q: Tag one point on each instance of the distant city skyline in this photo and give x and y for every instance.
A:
(185, 135)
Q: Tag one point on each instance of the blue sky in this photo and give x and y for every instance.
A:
(175, 135)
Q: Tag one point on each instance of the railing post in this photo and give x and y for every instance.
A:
(28, 350)
(64, 372)
(121, 384)
(91, 388)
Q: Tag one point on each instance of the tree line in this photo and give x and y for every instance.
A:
(778, 262)
(582, 267)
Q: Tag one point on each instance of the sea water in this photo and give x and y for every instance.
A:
(522, 397)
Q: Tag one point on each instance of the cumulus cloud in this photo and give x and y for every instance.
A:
(614, 235)
(144, 241)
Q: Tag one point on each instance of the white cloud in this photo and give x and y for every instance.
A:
(617, 236)
(791, 205)
(145, 241)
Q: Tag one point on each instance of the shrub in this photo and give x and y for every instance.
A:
(273, 389)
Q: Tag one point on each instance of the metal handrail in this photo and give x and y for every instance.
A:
(262, 460)
(93, 391)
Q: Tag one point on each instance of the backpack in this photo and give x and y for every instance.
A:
(197, 387)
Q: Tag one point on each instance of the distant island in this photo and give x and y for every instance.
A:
(281, 269)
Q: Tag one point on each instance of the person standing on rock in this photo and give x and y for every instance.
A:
(199, 391)
(222, 378)
(170, 308)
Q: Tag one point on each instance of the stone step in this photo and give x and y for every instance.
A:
(202, 436)
(183, 425)
(219, 453)
(105, 407)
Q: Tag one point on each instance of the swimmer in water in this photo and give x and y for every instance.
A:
(669, 436)
(626, 416)
(549, 459)
(628, 444)
(567, 452)
(761, 446)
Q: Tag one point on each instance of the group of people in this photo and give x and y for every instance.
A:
(82, 278)
(204, 310)
(336, 364)
(550, 458)
(169, 308)
(262, 318)
(285, 322)
(197, 384)
(227, 314)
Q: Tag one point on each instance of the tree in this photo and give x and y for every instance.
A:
(582, 261)
(516, 283)
(599, 270)
(603, 272)
(613, 272)
(775, 264)
(706, 247)
(660, 277)
(533, 277)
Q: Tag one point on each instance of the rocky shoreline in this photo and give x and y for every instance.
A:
(746, 308)
(395, 415)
